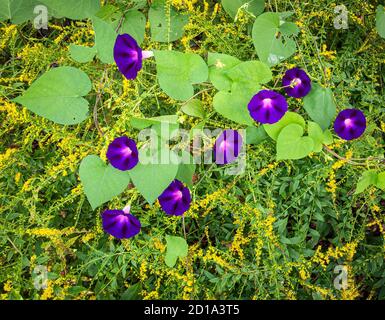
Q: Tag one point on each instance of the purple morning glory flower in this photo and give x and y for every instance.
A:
(176, 199)
(297, 83)
(227, 146)
(267, 106)
(122, 153)
(120, 223)
(129, 56)
(350, 124)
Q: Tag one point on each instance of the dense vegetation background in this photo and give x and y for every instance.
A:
(275, 232)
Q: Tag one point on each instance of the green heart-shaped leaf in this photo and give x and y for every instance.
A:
(380, 183)
(320, 106)
(186, 169)
(273, 130)
(73, 9)
(176, 248)
(151, 179)
(249, 75)
(108, 12)
(319, 137)
(18, 11)
(134, 24)
(57, 95)
(233, 106)
(246, 79)
(194, 108)
(370, 178)
(82, 54)
(367, 179)
(328, 138)
(255, 135)
(273, 44)
(177, 72)
(219, 64)
(292, 145)
(105, 36)
(255, 7)
(101, 182)
(380, 21)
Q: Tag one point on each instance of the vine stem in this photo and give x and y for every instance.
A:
(184, 228)
(352, 162)
(336, 155)
(195, 95)
(99, 101)
(100, 86)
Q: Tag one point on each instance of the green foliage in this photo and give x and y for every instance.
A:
(288, 133)
(275, 232)
(142, 123)
(176, 248)
(245, 79)
(18, 11)
(320, 105)
(248, 75)
(233, 106)
(292, 145)
(165, 26)
(133, 292)
(58, 95)
(105, 35)
(101, 182)
(144, 173)
(371, 178)
(219, 64)
(73, 9)
(273, 38)
(273, 130)
(82, 54)
(134, 24)
(186, 169)
(177, 73)
(255, 7)
(194, 108)
(380, 21)
(319, 137)
(255, 135)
